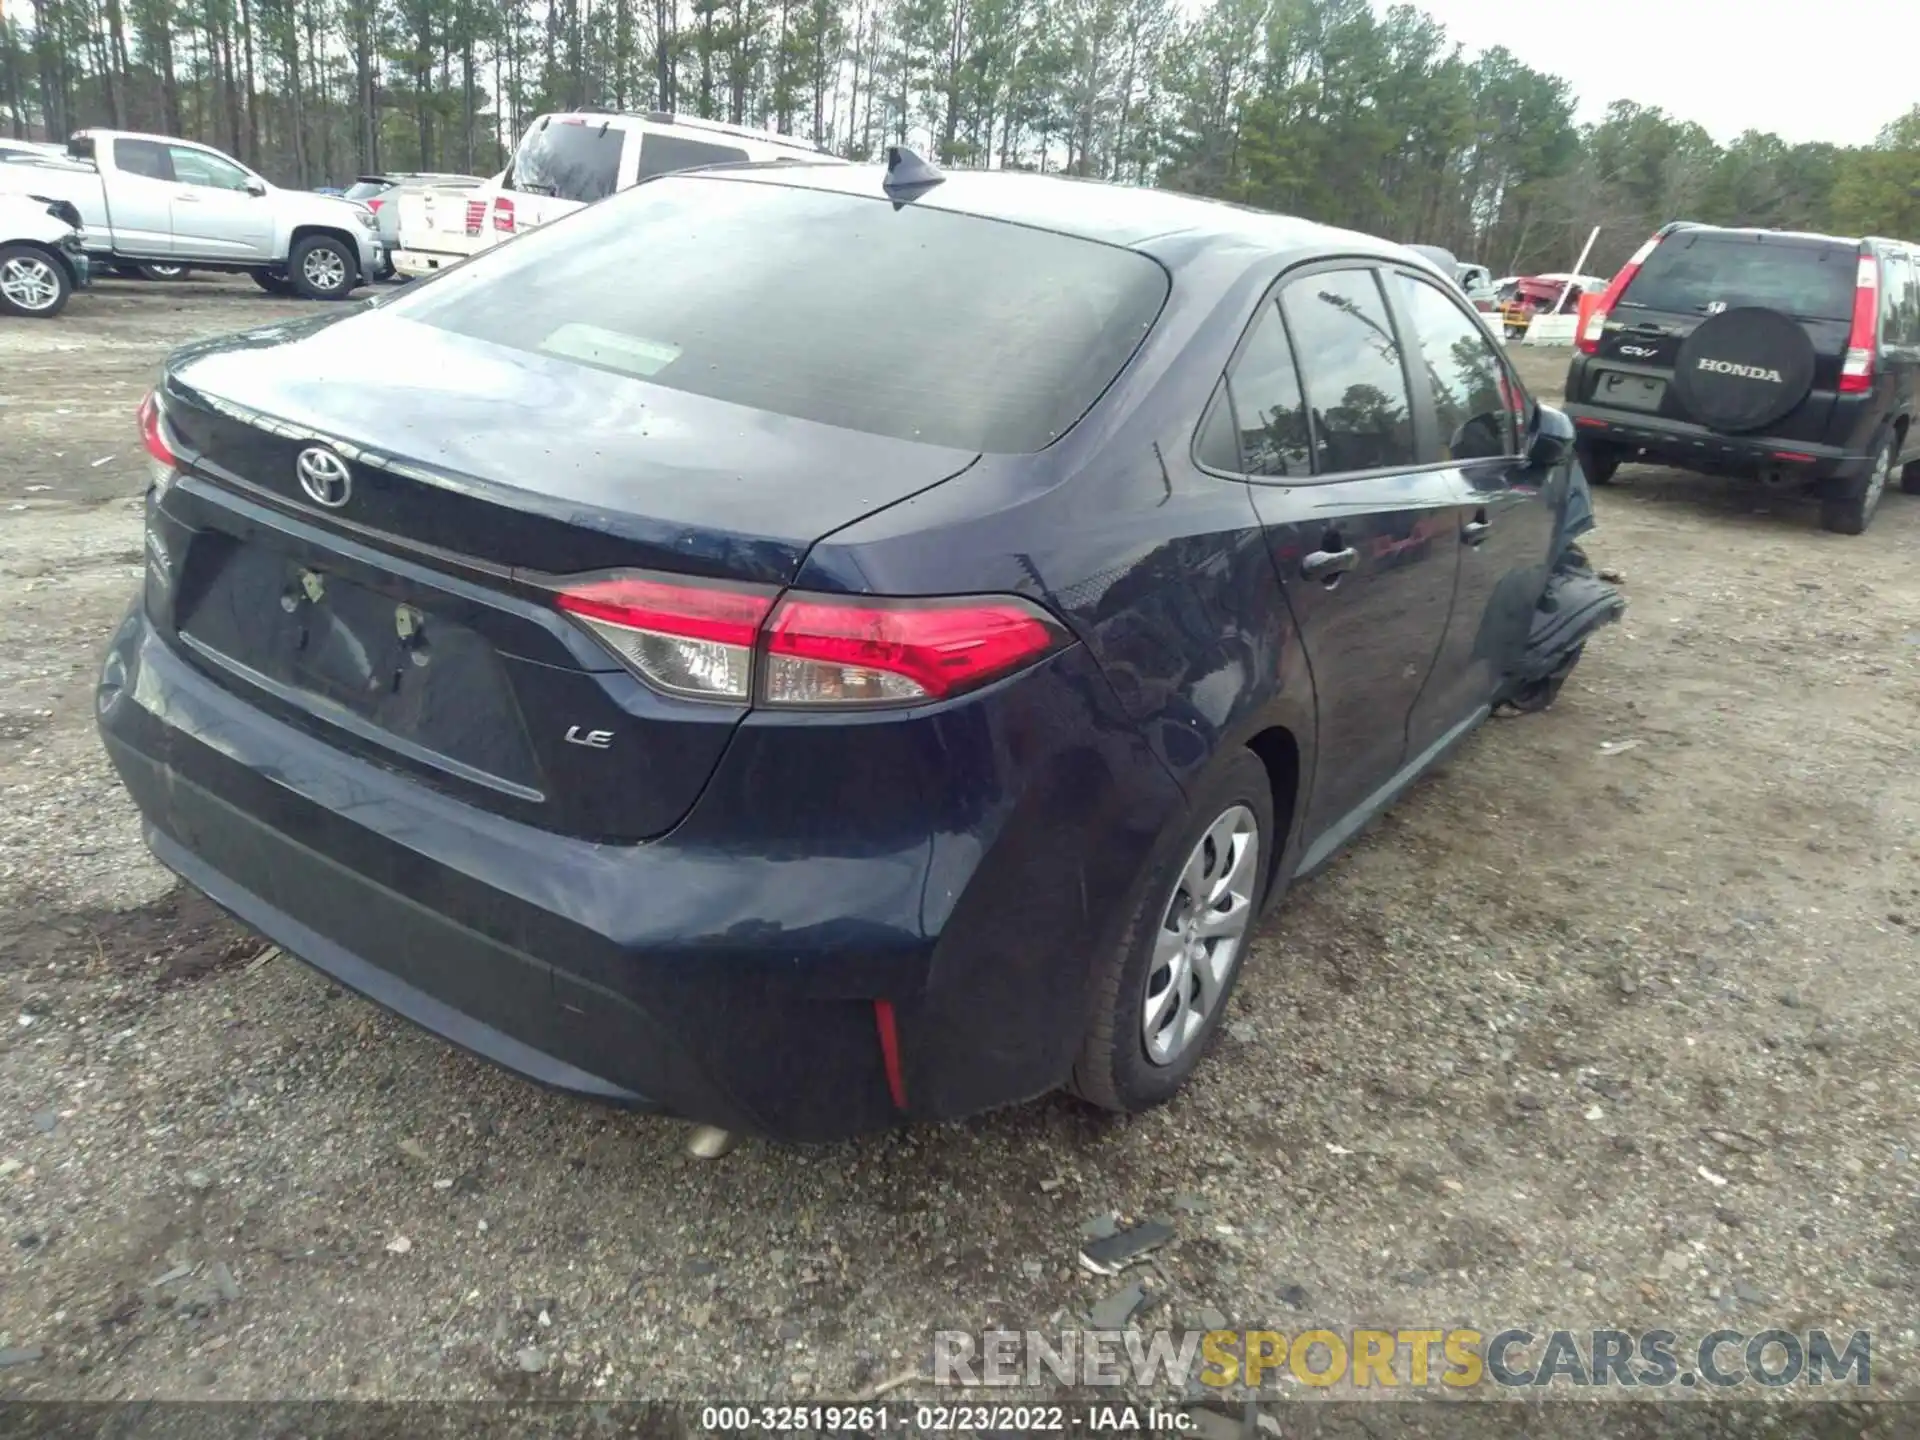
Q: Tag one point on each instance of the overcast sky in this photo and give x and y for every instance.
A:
(1834, 70)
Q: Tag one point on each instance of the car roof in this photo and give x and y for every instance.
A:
(692, 126)
(1129, 216)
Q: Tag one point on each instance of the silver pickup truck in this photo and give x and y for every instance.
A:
(152, 198)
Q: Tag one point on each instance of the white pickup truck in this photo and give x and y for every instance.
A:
(566, 161)
(152, 198)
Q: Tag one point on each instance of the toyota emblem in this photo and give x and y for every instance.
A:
(324, 476)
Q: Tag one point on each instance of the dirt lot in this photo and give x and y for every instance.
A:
(1613, 1023)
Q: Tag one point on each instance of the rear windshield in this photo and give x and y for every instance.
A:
(1687, 274)
(571, 159)
(367, 189)
(913, 322)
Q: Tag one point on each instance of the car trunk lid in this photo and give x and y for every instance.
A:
(415, 619)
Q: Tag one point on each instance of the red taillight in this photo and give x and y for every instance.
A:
(889, 1032)
(153, 437)
(704, 641)
(682, 637)
(374, 205)
(823, 651)
(503, 214)
(1589, 337)
(1856, 371)
(476, 216)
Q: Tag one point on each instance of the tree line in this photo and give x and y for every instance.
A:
(1324, 108)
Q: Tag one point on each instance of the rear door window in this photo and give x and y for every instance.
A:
(913, 322)
(1267, 403)
(570, 159)
(1690, 274)
(1464, 374)
(146, 158)
(662, 154)
(1356, 386)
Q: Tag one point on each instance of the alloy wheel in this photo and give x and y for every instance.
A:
(323, 269)
(1202, 928)
(30, 283)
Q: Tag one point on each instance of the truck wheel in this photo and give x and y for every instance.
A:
(32, 282)
(1848, 505)
(322, 268)
(162, 272)
(272, 281)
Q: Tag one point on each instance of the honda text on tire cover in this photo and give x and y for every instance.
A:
(1788, 358)
(813, 648)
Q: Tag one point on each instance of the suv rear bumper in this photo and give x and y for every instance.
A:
(1692, 446)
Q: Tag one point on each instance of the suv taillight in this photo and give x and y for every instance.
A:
(476, 216)
(503, 214)
(1589, 337)
(1856, 371)
(702, 641)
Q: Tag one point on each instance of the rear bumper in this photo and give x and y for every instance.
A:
(724, 973)
(1691, 446)
(419, 263)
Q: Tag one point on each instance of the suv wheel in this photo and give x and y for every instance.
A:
(1599, 460)
(1910, 478)
(322, 268)
(1851, 511)
(1162, 992)
(272, 281)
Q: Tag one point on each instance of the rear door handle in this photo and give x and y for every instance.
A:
(1477, 529)
(1329, 564)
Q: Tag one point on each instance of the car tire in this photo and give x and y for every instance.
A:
(323, 268)
(32, 282)
(162, 272)
(272, 281)
(1599, 460)
(1910, 478)
(1848, 506)
(1164, 984)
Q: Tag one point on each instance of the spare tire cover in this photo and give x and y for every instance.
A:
(1744, 369)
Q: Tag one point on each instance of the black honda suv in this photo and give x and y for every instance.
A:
(1790, 358)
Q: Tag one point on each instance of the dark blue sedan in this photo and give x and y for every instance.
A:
(806, 652)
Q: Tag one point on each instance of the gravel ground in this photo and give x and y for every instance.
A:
(1612, 1023)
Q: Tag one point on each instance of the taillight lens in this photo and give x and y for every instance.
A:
(1588, 340)
(374, 205)
(705, 641)
(681, 637)
(823, 651)
(164, 464)
(476, 216)
(503, 215)
(1856, 371)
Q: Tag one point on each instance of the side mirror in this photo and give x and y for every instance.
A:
(1552, 439)
(256, 188)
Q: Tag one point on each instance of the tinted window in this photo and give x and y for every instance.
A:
(1355, 386)
(913, 322)
(142, 157)
(1217, 448)
(367, 189)
(1463, 372)
(1687, 273)
(569, 159)
(1267, 402)
(202, 168)
(661, 154)
(1900, 322)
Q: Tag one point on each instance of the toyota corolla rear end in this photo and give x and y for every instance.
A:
(479, 662)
